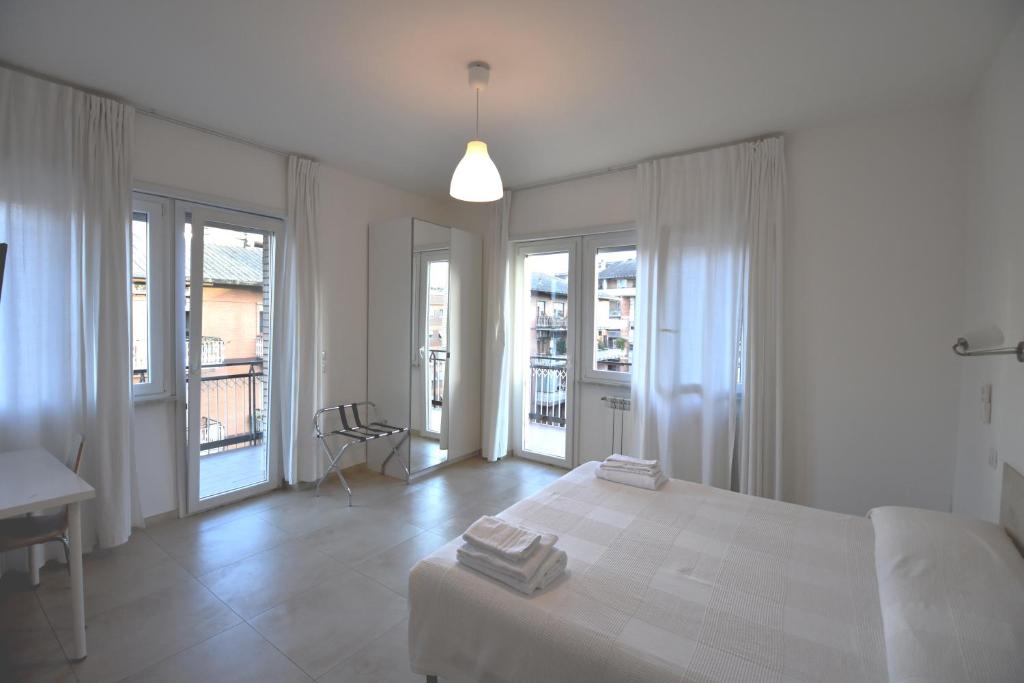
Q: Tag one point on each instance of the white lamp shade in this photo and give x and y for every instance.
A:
(476, 178)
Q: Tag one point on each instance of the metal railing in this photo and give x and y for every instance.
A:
(231, 403)
(548, 385)
(556, 322)
(212, 350)
(437, 360)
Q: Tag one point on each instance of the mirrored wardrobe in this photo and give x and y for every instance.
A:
(424, 342)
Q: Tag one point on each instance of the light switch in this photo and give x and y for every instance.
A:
(986, 404)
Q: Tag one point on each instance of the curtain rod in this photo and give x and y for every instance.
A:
(148, 111)
(626, 167)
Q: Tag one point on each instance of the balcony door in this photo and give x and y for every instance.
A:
(544, 341)
(228, 279)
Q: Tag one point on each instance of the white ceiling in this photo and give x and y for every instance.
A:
(379, 87)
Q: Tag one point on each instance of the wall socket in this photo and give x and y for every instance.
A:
(993, 458)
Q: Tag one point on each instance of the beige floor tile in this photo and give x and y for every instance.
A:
(362, 533)
(140, 550)
(391, 567)
(19, 608)
(456, 525)
(238, 655)
(29, 650)
(382, 660)
(319, 628)
(424, 507)
(306, 513)
(171, 532)
(33, 656)
(107, 585)
(130, 637)
(209, 548)
(270, 577)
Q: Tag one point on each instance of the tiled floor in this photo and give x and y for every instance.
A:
(232, 470)
(283, 587)
(424, 453)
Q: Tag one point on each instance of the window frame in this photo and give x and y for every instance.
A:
(591, 245)
(158, 293)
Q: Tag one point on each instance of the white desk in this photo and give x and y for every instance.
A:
(33, 480)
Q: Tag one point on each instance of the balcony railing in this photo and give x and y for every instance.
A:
(548, 384)
(437, 360)
(212, 351)
(550, 322)
(231, 402)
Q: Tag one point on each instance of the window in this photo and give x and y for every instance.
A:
(149, 245)
(610, 288)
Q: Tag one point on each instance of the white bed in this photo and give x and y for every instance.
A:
(687, 583)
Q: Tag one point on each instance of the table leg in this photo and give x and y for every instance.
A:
(77, 584)
(35, 560)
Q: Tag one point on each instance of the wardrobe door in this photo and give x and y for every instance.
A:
(389, 336)
(466, 286)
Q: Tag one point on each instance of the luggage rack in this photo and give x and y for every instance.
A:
(354, 430)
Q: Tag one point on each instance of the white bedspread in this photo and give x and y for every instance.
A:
(687, 583)
(952, 592)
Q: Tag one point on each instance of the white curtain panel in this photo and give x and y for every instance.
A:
(706, 367)
(297, 342)
(497, 334)
(65, 353)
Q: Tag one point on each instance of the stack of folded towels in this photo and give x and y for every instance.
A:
(645, 474)
(520, 558)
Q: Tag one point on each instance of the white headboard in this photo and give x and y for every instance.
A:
(1011, 505)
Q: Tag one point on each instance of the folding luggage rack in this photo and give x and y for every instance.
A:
(354, 430)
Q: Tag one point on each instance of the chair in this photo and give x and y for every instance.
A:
(353, 430)
(25, 532)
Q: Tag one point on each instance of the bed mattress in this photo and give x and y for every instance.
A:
(688, 583)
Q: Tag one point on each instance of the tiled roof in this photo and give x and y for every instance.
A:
(549, 284)
(222, 264)
(618, 269)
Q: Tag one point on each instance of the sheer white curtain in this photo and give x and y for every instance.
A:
(65, 354)
(295, 351)
(497, 334)
(706, 366)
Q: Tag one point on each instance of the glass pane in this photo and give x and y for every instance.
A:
(614, 305)
(437, 340)
(546, 277)
(235, 348)
(140, 297)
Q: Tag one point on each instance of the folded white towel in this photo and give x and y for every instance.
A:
(642, 481)
(624, 467)
(517, 571)
(547, 573)
(506, 540)
(629, 460)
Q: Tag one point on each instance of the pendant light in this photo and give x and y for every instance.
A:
(476, 178)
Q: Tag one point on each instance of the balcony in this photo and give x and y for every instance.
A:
(545, 426)
(232, 426)
(549, 322)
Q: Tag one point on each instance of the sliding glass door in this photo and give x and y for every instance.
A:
(228, 268)
(544, 340)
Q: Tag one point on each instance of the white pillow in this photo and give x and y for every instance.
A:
(952, 596)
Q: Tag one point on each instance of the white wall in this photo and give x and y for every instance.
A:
(242, 175)
(994, 283)
(872, 290)
(872, 287)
